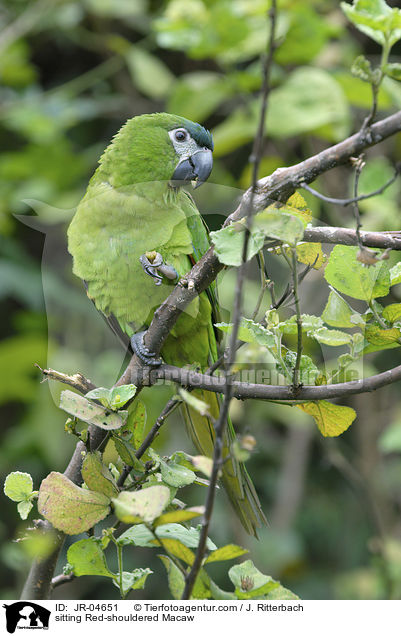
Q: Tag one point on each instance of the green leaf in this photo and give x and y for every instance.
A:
(392, 312)
(100, 393)
(310, 324)
(250, 331)
(18, 486)
(143, 506)
(331, 337)
(176, 581)
(395, 274)
(68, 507)
(220, 595)
(393, 70)
(177, 516)
(308, 371)
(86, 557)
(378, 336)
(97, 476)
(150, 75)
(280, 225)
(140, 535)
(195, 403)
(87, 411)
(24, 508)
(337, 312)
(249, 581)
(127, 453)
(136, 423)
(227, 552)
(120, 395)
(376, 19)
(176, 475)
(362, 68)
(134, 580)
(349, 276)
(229, 241)
(331, 419)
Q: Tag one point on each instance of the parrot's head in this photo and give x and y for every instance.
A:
(159, 147)
(193, 147)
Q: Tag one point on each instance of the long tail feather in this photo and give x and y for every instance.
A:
(235, 478)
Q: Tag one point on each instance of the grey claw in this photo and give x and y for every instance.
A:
(157, 265)
(151, 268)
(141, 350)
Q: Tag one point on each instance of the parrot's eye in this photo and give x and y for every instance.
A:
(181, 134)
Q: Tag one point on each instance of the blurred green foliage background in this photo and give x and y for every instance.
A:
(71, 73)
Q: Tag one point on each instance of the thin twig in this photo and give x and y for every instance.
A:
(61, 579)
(77, 381)
(360, 197)
(295, 378)
(359, 165)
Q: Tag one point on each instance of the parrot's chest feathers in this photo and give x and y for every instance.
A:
(110, 231)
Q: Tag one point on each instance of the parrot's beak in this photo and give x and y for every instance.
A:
(196, 168)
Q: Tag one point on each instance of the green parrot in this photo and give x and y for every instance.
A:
(134, 234)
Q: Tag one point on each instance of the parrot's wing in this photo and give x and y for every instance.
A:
(112, 322)
(200, 243)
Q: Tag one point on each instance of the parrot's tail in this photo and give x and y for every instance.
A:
(235, 478)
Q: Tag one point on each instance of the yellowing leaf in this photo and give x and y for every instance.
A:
(392, 312)
(68, 507)
(300, 207)
(331, 419)
(377, 336)
(311, 254)
(227, 552)
(178, 549)
(177, 516)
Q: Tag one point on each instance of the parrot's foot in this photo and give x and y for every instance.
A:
(153, 265)
(141, 350)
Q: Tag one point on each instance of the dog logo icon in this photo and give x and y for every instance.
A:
(26, 615)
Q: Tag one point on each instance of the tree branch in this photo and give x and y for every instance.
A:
(251, 391)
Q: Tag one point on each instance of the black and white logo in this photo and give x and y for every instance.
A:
(26, 615)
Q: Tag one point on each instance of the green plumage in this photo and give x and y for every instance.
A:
(130, 208)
